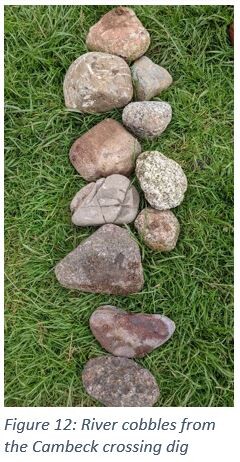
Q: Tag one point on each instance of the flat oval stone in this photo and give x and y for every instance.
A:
(119, 32)
(131, 335)
(107, 262)
(119, 382)
(105, 149)
(97, 82)
(149, 79)
(162, 180)
(159, 229)
(109, 200)
(147, 119)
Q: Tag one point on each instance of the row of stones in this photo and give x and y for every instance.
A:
(109, 261)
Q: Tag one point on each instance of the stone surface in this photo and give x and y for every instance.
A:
(162, 180)
(109, 200)
(105, 149)
(97, 82)
(128, 334)
(159, 229)
(119, 32)
(231, 33)
(147, 119)
(108, 262)
(149, 79)
(119, 382)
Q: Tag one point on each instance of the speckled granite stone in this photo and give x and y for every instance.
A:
(162, 180)
(119, 382)
(147, 119)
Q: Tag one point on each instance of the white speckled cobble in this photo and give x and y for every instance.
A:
(162, 180)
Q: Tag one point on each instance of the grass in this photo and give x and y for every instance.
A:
(47, 336)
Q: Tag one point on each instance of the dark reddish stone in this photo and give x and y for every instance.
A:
(129, 334)
(119, 382)
(231, 33)
(108, 262)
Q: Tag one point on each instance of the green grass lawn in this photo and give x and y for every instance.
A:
(47, 336)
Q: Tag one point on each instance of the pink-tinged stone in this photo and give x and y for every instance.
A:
(119, 32)
(105, 149)
(159, 229)
(97, 82)
(128, 334)
(108, 262)
(119, 382)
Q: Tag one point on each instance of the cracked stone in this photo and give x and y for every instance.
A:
(129, 335)
(119, 32)
(105, 149)
(147, 119)
(159, 229)
(107, 262)
(162, 180)
(109, 200)
(119, 382)
(97, 82)
(149, 79)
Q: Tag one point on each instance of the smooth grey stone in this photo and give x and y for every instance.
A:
(149, 79)
(109, 200)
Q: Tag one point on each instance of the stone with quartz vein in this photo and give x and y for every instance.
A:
(97, 82)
